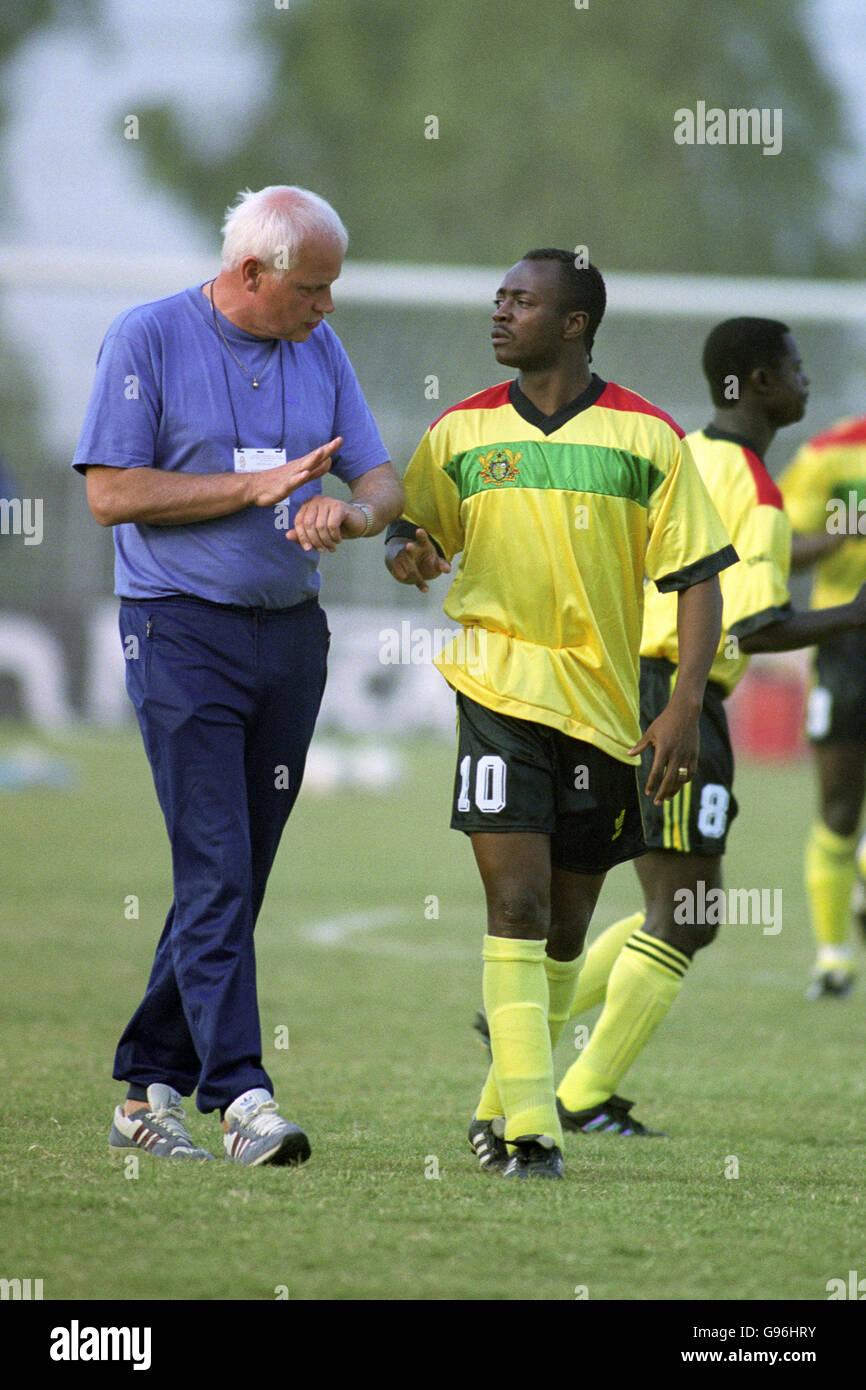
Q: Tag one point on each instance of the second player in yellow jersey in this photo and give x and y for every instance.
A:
(638, 965)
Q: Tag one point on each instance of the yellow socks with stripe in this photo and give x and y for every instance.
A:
(644, 982)
(561, 979)
(592, 985)
(516, 1001)
(830, 874)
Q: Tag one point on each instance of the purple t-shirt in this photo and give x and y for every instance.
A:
(169, 395)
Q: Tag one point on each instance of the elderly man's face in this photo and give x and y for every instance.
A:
(290, 307)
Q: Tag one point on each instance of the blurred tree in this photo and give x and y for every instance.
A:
(17, 23)
(469, 129)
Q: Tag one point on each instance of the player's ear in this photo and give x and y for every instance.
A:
(761, 381)
(575, 323)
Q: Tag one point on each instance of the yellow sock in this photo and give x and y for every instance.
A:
(489, 1106)
(830, 874)
(516, 1001)
(561, 981)
(644, 982)
(592, 985)
(561, 978)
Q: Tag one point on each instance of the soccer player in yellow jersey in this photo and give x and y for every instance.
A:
(825, 496)
(637, 966)
(560, 491)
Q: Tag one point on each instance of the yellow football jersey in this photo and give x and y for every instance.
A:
(754, 591)
(825, 487)
(557, 519)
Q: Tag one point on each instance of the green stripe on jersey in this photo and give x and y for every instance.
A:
(843, 486)
(556, 467)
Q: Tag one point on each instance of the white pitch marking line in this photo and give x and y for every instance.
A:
(340, 931)
(333, 931)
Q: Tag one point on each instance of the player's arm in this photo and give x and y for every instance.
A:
(160, 498)
(674, 733)
(809, 549)
(804, 487)
(420, 544)
(758, 609)
(688, 549)
(796, 629)
(322, 522)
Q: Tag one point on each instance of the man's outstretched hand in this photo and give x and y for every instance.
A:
(274, 485)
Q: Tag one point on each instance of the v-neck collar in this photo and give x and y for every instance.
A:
(548, 424)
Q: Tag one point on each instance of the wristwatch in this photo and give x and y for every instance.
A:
(368, 512)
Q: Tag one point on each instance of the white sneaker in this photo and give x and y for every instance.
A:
(160, 1130)
(258, 1134)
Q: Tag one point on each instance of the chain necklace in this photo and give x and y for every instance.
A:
(254, 378)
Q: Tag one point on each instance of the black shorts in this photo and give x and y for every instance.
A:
(836, 706)
(697, 819)
(521, 776)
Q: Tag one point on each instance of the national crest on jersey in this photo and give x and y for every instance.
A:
(498, 466)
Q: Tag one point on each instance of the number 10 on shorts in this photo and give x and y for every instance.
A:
(489, 784)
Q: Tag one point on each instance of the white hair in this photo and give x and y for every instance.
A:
(272, 225)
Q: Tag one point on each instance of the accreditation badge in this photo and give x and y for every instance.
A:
(258, 460)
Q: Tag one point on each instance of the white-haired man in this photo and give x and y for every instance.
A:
(214, 415)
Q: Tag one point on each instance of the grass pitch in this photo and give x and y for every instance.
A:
(367, 998)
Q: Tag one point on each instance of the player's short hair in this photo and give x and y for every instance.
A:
(582, 288)
(273, 223)
(736, 348)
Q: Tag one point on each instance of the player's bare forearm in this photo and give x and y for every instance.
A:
(160, 498)
(673, 735)
(699, 627)
(808, 549)
(797, 629)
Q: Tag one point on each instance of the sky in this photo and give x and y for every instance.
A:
(65, 92)
(55, 140)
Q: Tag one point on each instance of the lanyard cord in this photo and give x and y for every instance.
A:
(277, 347)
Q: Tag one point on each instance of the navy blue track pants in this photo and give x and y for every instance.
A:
(226, 701)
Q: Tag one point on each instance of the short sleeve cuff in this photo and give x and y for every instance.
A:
(756, 621)
(349, 470)
(697, 572)
(405, 530)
